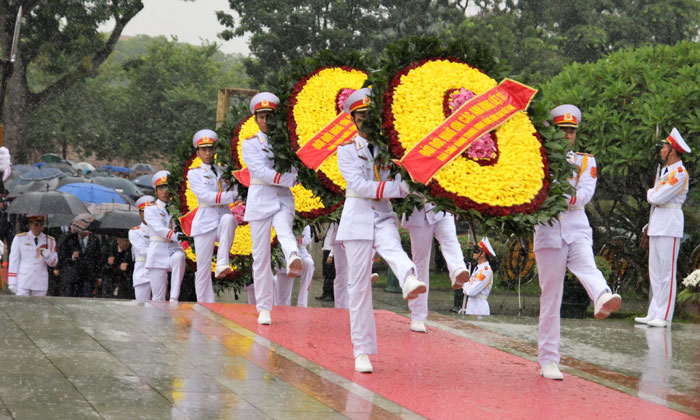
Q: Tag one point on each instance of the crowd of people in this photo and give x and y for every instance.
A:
(138, 267)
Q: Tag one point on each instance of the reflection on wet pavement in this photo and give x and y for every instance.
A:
(86, 358)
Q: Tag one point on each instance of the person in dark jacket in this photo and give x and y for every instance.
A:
(80, 261)
(117, 270)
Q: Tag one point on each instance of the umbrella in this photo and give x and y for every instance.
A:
(21, 187)
(92, 193)
(108, 207)
(144, 181)
(51, 157)
(52, 203)
(83, 166)
(73, 180)
(61, 166)
(41, 173)
(121, 169)
(117, 222)
(143, 167)
(120, 185)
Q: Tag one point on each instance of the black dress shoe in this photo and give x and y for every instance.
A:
(324, 296)
(327, 298)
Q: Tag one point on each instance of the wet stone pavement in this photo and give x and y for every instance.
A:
(65, 358)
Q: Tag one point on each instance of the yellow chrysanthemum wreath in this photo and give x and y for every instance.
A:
(515, 182)
(315, 101)
(305, 202)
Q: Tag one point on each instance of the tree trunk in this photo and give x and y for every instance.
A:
(18, 110)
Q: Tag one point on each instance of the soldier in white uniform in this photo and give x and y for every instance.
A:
(138, 236)
(284, 283)
(213, 220)
(270, 203)
(30, 256)
(568, 243)
(424, 224)
(665, 230)
(368, 224)
(477, 290)
(164, 250)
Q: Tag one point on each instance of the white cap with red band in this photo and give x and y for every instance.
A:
(264, 101)
(358, 100)
(486, 246)
(142, 202)
(566, 116)
(204, 137)
(676, 141)
(159, 178)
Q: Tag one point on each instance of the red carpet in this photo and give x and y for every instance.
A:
(440, 375)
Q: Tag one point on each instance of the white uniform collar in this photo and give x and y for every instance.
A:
(360, 141)
(161, 203)
(31, 235)
(483, 264)
(262, 136)
(674, 166)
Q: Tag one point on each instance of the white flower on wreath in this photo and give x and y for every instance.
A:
(693, 279)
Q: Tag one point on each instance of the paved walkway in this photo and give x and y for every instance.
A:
(69, 358)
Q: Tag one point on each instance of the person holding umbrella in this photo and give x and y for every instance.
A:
(164, 250)
(31, 254)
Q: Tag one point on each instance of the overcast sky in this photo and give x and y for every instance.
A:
(191, 22)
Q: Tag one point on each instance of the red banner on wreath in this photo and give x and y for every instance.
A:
(324, 143)
(475, 117)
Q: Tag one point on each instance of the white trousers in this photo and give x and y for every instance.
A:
(387, 243)
(663, 259)
(251, 293)
(284, 284)
(340, 284)
(29, 292)
(262, 270)
(551, 265)
(159, 278)
(204, 248)
(421, 246)
(142, 292)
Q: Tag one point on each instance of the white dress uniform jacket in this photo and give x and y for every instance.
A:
(163, 239)
(138, 236)
(28, 268)
(366, 198)
(571, 224)
(667, 197)
(269, 190)
(478, 290)
(212, 195)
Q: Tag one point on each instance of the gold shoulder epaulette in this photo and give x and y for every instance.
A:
(51, 237)
(584, 154)
(136, 227)
(251, 137)
(195, 167)
(21, 234)
(346, 142)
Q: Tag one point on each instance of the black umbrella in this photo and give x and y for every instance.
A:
(117, 222)
(42, 185)
(121, 185)
(52, 203)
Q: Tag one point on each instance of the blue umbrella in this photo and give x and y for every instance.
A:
(105, 168)
(121, 169)
(92, 193)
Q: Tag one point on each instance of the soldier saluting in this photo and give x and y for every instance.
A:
(665, 230)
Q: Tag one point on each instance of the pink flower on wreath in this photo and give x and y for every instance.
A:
(238, 211)
(343, 96)
(483, 147)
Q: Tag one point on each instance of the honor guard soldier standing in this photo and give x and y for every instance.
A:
(665, 230)
(164, 250)
(270, 203)
(138, 236)
(30, 256)
(424, 224)
(568, 243)
(367, 224)
(213, 220)
(477, 290)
